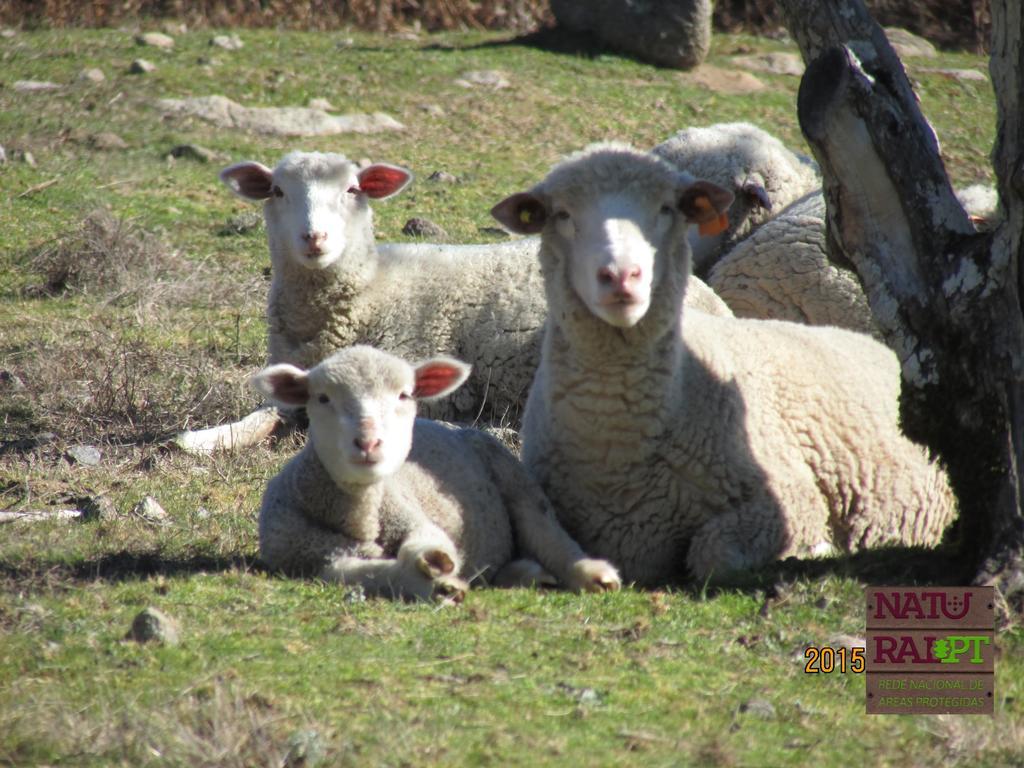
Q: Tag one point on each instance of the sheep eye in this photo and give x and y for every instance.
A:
(276, 190)
(562, 215)
(666, 210)
(405, 396)
(354, 190)
(324, 399)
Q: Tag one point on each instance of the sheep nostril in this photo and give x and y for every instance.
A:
(367, 445)
(634, 273)
(605, 276)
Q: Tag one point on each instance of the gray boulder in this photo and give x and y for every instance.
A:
(670, 33)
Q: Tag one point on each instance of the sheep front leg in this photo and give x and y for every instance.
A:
(404, 577)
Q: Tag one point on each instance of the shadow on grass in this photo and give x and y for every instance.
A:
(549, 39)
(118, 567)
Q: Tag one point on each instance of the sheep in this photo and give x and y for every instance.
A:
(761, 172)
(403, 506)
(331, 287)
(677, 443)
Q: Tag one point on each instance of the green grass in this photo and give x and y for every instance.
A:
(510, 678)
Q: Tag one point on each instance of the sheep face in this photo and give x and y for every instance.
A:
(615, 218)
(315, 203)
(361, 405)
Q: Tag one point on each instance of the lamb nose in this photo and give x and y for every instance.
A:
(367, 444)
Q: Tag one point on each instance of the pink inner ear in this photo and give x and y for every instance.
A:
(251, 180)
(379, 181)
(434, 378)
(290, 389)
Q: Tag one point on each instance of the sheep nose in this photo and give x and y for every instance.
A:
(367, 444)
(619, 278)
(315, 240)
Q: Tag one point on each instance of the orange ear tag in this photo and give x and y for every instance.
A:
(714, 226)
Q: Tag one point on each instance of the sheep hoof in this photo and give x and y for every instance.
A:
(449, 590)
(596, 576)
(435, 563)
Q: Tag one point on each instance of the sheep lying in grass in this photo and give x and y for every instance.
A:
(671, 442)
(763, 175)
(400, 505)
(333, 287)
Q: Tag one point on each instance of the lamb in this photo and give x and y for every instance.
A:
(403, 506)
(678, 443)
(762, 173)
(332, 287)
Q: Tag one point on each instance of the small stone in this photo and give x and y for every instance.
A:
(305, 750)
(322, 104)
(821, 603)
(972, 75)
(228, 42)
(908, 45)
(98, 507)
(153, 625)
(355, 594)
(434, 110)
(92, 75)
(202, 513)
(242, 224)
(155, 39)
(193, 152)
(443, 177)
(174, 27)
(11, 382)
(45, 438)
(7, 34)
(149, 510)
(423, 228)
(142, 67)
(345, 42)
(107, 140)
(34, 86)
(761, 708)
(89, 455)
(772, 63)
(3, 156)
(484, 78)
(25, 156)
(849, 642)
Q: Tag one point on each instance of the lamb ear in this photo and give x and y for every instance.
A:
(522, 213)
(380, 180)
(705, 204)
(438, 377)
(250, 180)
(284, 384)
(756, 193)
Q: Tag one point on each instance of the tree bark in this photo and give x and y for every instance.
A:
(947, 298)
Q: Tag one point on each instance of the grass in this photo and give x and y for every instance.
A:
(118, 357)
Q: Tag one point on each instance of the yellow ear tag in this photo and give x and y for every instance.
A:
(524, 215)
(714, 226)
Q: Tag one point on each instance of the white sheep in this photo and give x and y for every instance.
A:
(671, 442)
(763, 175)
(332, 287)
(404, 506)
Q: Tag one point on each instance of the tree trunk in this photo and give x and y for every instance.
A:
(947, 299)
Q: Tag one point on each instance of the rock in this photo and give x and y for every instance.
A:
(280, 121)
(34, 86)
(847, 641)
(89, 455)
(423, 228)
(107, 140)
(434, 110)
(202, 513)
(174, 27)
(972, 75)
(38, 515)
(228, 42)
(761, 708)
(92, 76)
(305, 750)
(142, 67)
(10, 382)
(98, 507)
(150, 511)
(3, 156)
(7, 34)
(670, 33)
(484, 78)
(726, 81)
(908, 45)
(155, 39)
(443, 177)
(24, 156)
(193, 152)
(772, 63)
(321, 104)
(242, 224)
(153, 625)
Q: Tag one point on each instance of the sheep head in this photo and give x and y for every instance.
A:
(361, 404)
(616, 219)
(315, 203)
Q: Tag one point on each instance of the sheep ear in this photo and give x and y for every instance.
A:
(380, 181)
(250, 180)
(705, 204)
(756, 193)
(438, 377)
(284, 384)
(522, 213)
